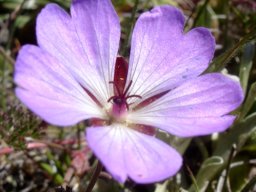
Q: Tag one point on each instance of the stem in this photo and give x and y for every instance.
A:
(195, 186)
(7, 56)
(78, 135)
(202, 148)
(230, 158)
(200, 13)
(249, 185)
(129, 33)
(94, 177)
(37, 144)
(190, 15)
(11, 26)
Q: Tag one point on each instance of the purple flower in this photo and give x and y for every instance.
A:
(75, 74)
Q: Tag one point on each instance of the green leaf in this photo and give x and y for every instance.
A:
(246, 64)
(237, 135)
(239, 171)
(58, 179)
(251, 98)
(180, 144)
(204, 15)
(164, 2)
(220, 62)
(249, 185)
(213, 165)
(22, 20)
(11, 4)
(209, 166)
(48, 168)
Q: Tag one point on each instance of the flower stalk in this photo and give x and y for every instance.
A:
(95, 177)
(125, 51)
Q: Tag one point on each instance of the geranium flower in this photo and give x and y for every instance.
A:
(75, 74)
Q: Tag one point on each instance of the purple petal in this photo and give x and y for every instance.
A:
(162, 56)
(197, 107)
(58, 35)
(49, 90)
(128, 153)
(98, 29)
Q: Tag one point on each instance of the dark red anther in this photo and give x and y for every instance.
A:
(120, 75)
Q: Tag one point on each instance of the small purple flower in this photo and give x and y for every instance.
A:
(75, 74)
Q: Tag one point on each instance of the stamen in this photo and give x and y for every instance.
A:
(92, 97)
(128, 87)
(149, 100)
(120, 99)
(130, 96)
(111, 98)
